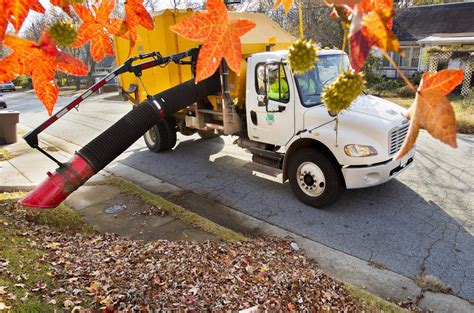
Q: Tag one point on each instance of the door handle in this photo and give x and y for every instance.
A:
(253, 117)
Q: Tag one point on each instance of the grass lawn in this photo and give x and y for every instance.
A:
(24, 273)
(463, 107)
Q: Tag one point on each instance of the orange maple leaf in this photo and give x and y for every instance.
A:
(40, 60)
(15, 12)
(287, 4)
(97, 28)
(219, 35)
(371, 26)
(65, 5)
(444, 81)
(432, 110)
(377, 25)
(135, 14)
(342, 2)
(373, 5)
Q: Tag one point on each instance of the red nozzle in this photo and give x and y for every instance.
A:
(58, 186)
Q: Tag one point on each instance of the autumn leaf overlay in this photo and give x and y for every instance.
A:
(40, 60)
(15, 12)
(432, 110)
(219, 35)
(371, 24)
(97, 26)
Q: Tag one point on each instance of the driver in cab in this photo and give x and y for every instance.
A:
(278, 89)
(306, 84)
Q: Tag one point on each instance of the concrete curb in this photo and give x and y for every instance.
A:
(14, 188)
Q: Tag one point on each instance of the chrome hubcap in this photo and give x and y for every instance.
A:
(150, 136)
(311, 179)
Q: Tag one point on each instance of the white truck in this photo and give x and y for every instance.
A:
(276, 115)
(320, 154)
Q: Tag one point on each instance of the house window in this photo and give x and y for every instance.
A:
(415, 57)
(395, 57)
(404, 60)
(410, 59)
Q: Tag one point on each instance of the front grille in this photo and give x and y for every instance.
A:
(396, 138)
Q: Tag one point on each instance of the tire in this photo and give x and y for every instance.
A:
(314, 178)
(206, 135)
(161, 136)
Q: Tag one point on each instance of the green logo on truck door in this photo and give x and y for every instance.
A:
(270, 118)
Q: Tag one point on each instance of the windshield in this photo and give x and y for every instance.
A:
(311, 84)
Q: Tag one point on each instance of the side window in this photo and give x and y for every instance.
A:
(260, 84)
(277, 89)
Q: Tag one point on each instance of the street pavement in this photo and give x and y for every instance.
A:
(420, 223)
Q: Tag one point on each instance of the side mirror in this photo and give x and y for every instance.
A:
(262, 100)
(275, 107)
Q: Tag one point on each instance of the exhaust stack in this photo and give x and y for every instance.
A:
(102, 150)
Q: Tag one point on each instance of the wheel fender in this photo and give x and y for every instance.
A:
(305, 143)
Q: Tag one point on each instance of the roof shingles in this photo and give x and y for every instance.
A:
(415, 23)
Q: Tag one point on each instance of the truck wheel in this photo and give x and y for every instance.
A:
(314, 178)
(206, 135)
(161, 137)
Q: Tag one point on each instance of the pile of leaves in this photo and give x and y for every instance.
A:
(103, 271)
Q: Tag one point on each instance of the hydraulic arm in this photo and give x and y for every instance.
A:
(102, 150)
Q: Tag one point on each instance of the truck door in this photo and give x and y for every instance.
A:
(273, 123)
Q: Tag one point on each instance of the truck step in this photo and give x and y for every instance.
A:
(209, 112)
(276, 156)
(214, 126)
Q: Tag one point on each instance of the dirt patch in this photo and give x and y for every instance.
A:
(70, 91)
(432, 283)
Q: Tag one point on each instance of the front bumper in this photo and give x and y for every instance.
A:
(361, 177)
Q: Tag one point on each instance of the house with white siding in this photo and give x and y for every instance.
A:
(434, 37)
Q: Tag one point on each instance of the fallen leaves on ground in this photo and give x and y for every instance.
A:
(107, 272)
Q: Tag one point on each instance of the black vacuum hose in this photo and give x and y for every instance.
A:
(118, 137)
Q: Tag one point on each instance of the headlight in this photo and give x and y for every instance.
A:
(359, 150)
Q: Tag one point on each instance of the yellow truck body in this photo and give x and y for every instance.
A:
(267, 34)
